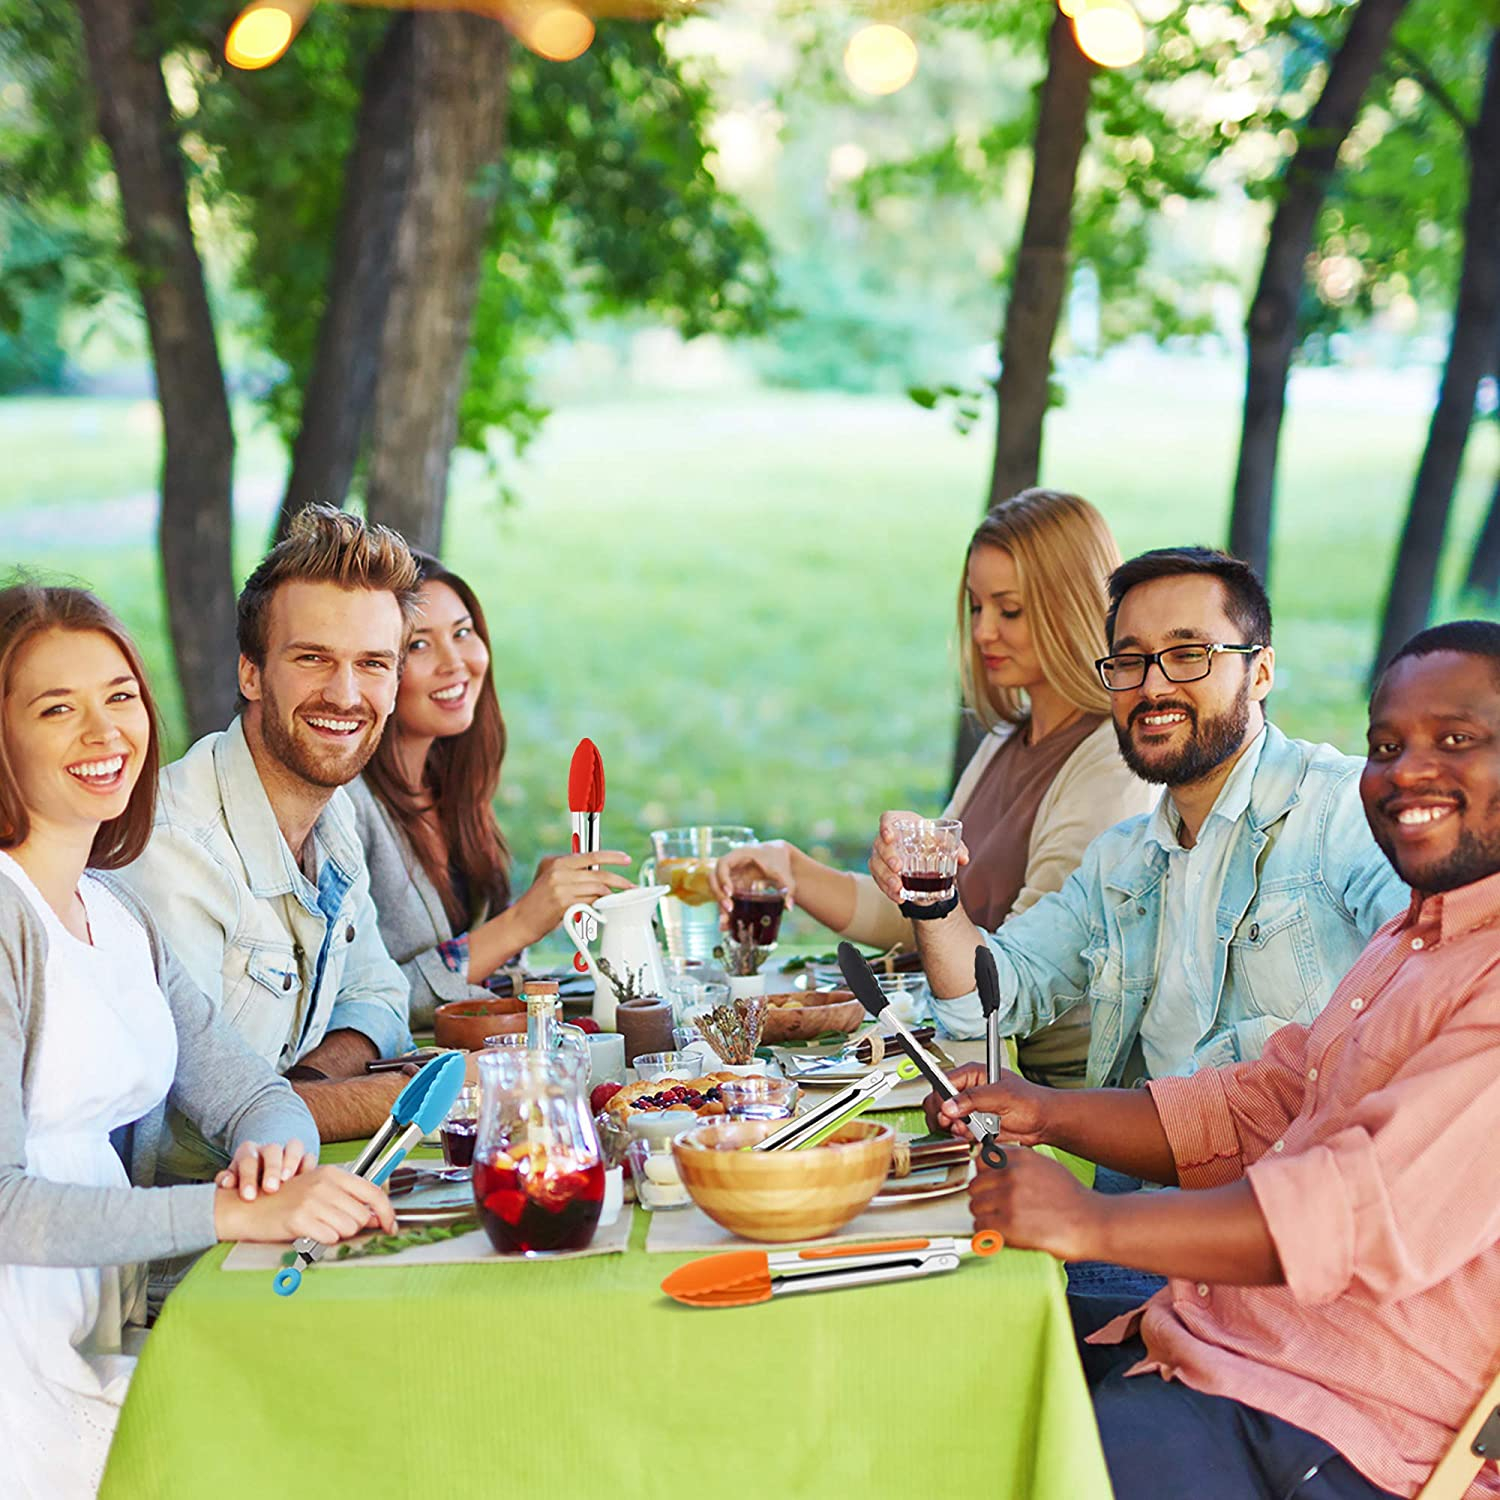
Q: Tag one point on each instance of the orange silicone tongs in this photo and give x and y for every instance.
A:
(742, 1277)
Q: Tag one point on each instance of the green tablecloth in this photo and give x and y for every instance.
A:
(578, 1378)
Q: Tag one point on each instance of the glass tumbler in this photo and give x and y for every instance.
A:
(928, 851)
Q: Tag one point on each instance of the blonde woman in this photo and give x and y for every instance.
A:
(1047, 776)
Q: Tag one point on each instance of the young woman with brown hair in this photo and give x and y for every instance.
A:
(99, 1026)
(439, 865)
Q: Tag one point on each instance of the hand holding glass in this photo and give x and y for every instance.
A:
(927, 851)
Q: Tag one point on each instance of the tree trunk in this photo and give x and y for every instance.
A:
(1272, 325)
(197, 514)
(1476, 333)
(1484, 567)
(1041, 274)
(462, 66)
(1036, 292)
(341, 384)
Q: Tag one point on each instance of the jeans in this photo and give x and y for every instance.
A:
(1165, 1441)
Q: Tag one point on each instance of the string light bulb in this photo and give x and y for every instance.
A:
(880, 59)
(262, 32)
(558, 31)
(1110, 33)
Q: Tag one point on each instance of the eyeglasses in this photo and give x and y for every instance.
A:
(1178, 664)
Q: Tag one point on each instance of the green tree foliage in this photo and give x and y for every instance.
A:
(58, 239)
(1390, 236)
(607, 206)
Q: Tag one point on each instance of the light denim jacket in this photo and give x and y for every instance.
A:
(1305, 889)
(282, 961)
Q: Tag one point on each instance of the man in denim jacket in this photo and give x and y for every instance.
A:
(1198, 929)
(255, 871)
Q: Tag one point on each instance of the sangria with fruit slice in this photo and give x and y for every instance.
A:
(533, 1201)
(538, 1168)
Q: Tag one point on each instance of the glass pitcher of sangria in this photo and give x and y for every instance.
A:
(538, 1169)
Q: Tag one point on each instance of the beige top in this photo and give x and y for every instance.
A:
(1093, 790)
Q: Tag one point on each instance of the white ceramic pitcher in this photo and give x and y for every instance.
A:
(626, 942)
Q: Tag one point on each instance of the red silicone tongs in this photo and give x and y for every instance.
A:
(586, 803)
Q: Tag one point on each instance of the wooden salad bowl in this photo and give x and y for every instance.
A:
(466, 1023)
(780, 1196)
(813, 1013)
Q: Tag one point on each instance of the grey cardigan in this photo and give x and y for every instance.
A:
(223, 1087)
(408, 910)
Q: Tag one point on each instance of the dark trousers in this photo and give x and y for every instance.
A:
(1164, 1441)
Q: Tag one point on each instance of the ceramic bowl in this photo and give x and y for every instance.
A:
(781, 1196)
(813, 1013)
(466, 1023)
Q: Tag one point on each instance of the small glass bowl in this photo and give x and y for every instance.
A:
(651, 1066)
(758, 1098)
(653, 1170)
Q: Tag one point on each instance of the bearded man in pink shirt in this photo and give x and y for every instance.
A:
(1333, 1309)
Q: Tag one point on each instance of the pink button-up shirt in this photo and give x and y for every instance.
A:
(1371, 1141)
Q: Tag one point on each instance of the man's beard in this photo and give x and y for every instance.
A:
(1209, 744)
(332, 768)
(1474, 857)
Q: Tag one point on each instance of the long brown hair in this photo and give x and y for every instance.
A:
(462, 775)
(1064, 553)
(26, 610)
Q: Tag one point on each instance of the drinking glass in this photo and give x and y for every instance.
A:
(689, 996)
(538, 1168)
(459, 1130)
(682, 859)
(760, 1098)
(756, 905)
(928, 852)
(650, 1066)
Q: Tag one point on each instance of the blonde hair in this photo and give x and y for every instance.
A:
(324, 545)
(1063, 552)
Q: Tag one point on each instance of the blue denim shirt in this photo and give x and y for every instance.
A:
(1303, 890)
(284, 961)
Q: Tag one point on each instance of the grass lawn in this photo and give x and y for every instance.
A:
(748, 601)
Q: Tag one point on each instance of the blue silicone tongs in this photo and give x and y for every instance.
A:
(420, 1107)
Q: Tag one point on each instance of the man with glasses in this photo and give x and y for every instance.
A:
(1197, 930)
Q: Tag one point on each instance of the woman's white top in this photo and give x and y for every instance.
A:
(107, 1056)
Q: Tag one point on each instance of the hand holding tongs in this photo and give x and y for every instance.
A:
(421, 1107)
(861, 979)
(743, 1277)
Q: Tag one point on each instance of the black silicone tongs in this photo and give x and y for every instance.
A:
(987, 982)
(860, 978)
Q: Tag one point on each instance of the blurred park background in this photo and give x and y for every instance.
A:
(685, 350)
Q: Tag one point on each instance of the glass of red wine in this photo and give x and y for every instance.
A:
(538, 1171)
(756, 905)
(459, 1131)
(929, 857)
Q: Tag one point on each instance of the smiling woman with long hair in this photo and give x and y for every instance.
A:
(439, 865)
(98, 1024)
(1047, 776)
